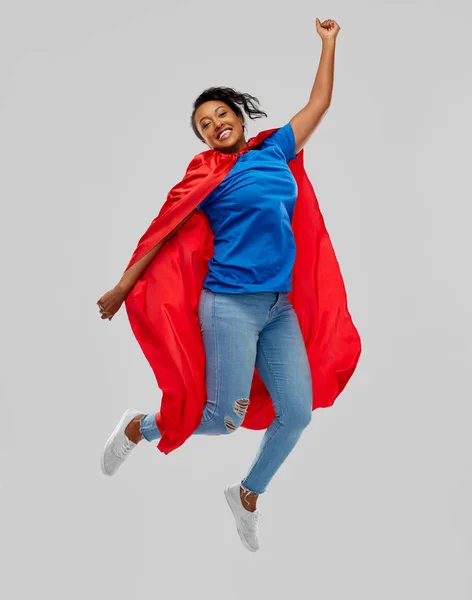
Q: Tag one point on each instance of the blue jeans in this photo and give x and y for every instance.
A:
(240, 332)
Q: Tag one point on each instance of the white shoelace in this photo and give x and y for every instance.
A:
(253, 519)
(124, 449)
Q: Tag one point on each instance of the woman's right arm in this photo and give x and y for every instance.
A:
(111, 302)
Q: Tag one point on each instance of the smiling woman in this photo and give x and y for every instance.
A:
(240, 309)
(216, 110)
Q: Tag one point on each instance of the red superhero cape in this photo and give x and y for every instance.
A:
(163, 305)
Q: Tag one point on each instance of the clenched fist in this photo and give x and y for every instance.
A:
(110, 303)
(328, 30)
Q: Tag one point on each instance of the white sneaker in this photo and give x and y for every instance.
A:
(246, 521)
(118, 447)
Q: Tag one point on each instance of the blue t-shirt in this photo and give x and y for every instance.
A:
(250, 214)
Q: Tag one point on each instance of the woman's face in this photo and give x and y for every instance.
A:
(213, 119)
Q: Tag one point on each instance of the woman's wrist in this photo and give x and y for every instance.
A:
(329, 42)
(124, 287)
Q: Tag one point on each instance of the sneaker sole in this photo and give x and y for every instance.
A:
(245, 544)
(128, 413)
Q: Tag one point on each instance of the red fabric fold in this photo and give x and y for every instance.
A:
(163, 305)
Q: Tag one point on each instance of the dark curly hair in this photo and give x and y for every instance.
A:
(233, 99)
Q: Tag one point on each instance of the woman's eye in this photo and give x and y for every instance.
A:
(206, 124)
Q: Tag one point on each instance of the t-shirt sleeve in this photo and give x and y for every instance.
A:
(285, 140)
(203, 202)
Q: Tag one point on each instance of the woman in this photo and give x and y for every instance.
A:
(246, 318)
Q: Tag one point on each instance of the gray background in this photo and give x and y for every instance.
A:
(374, 502)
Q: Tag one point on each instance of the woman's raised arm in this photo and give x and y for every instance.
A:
(305, 122)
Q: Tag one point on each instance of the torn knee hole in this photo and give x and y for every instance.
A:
(241, 406)
(230, 426)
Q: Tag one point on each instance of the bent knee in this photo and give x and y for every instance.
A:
(298, 420)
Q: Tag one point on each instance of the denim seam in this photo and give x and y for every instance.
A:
(271, 310)
(279, 395)
(201, 304)
(217, 357)
(280, 411)
(246, 489)
(144, 430)
(263, 447)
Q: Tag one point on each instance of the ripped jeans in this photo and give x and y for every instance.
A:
(240, 332)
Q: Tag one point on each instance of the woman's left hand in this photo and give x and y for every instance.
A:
(328, 30)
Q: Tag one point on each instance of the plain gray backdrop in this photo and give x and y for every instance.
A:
(374, 502)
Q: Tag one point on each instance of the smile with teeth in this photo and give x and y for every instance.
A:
(226, 133)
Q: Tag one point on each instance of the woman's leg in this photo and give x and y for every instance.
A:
(230, 325)
(283, 365)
